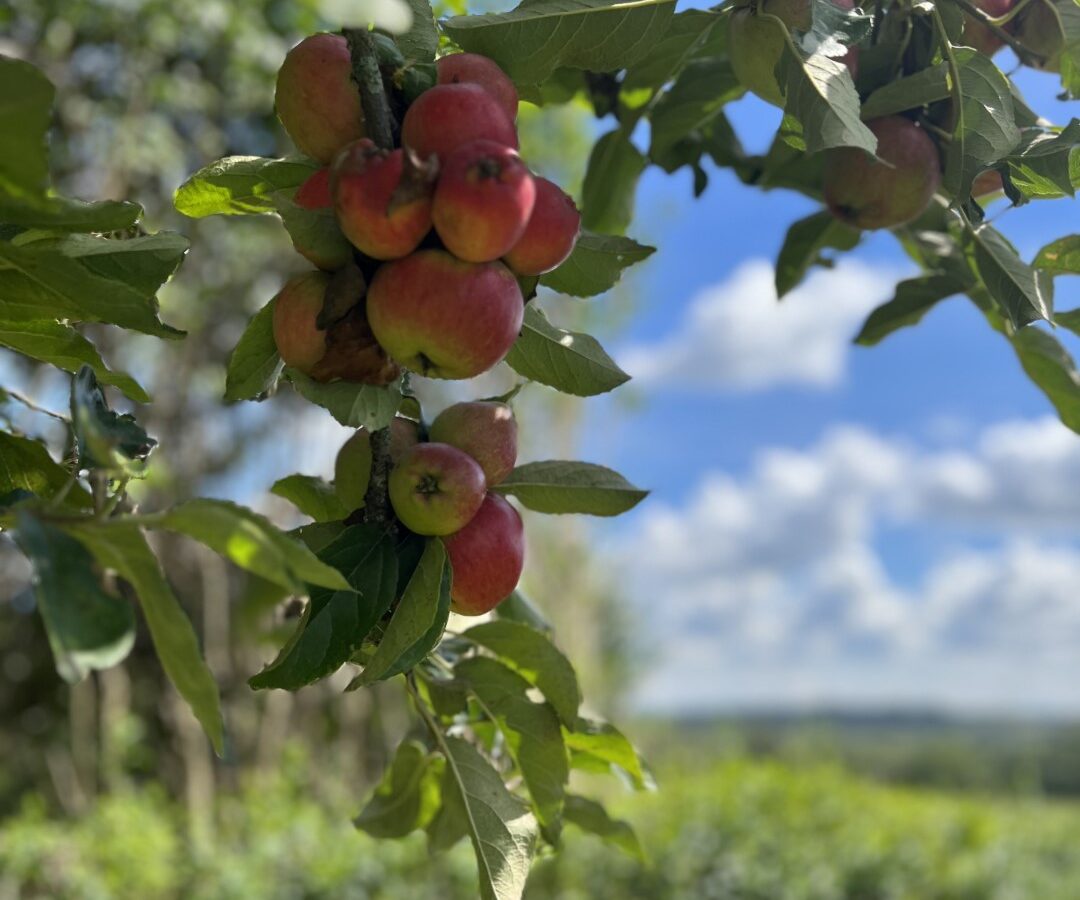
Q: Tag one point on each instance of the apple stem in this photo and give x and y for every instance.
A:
(378, 119)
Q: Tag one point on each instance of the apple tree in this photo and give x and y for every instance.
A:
(426, 241)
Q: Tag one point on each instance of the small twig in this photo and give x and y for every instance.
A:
(1013, 12)
(1005, 37)
(378, 119)
(30, 404)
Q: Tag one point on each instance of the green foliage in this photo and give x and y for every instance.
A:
(559, 486)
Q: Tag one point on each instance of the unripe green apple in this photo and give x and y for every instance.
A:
(867, 193)
(442, 317)
(483, 201)
(300, 343)
(756, 44)
(1039, 27)
(472, 68)
(352, 467)
(316, 99)
(486, 557)
(436, 489)
(449, 115)
(551, 233)
(383, 202)
(486, 430)
(978, 35)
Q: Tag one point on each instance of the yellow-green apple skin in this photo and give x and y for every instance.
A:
(436, 489)
(486, 430)
(296, 307)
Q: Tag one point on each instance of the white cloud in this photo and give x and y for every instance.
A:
(776, 588)
(736, 336)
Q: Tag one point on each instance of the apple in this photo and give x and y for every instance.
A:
(312, 227)
(483, 201)
(987, 183)
(472, 68)
(300, 343)
(352, 466)
(486, 430)
(550, 234)
(448, 115)
(315, 98)
(867, 193)
(487, 557)
(978, 35)
(756, 44)
(1040, 28)
(382, 200)
(442, 317)
(436, 489)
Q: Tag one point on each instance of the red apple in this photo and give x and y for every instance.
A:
(487, 557)
(483, 201)
(484, 429)
(867, 193)
(448, 115)
(987, 183)
(383, 203)
(316, 99)
(442, 317)
(314, 193)
(550, 236)
(352, 467)
(312, 226)
(472, 68)
(436, 489)
(299, 342)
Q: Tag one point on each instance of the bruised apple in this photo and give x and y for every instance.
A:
(315, 98)
(472, 68)
(866, 192)
(442, 119)
(487, 557)
(483, 201)
(550, 234)
(486, 430)
(442, 317)
(300, 343)
(436, 489)
(382, 199)
(352, 466)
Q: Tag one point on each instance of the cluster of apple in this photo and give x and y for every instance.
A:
(437, 231)
(898, 185)
(441, 487)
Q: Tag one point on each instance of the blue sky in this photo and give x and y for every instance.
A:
(830, 524)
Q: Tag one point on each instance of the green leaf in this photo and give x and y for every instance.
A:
(123, 548)
(315, 230)
(335, 623)
(407, 797)
(914, 299)
(42, 283)
(63, 347)
(353, 405)
(803, 245)
(1043, 165)
(250, 541)
(535, 658)
(611, 177)
(692, 33)
(502, 830)
(420, 42)
(696, 98)
(254, 365)
(67, 214)
(531, 731)
(313, 496)
(25, 465)
(1013, 284)
(105, 440)
(1051, 367)
(602, 741)
(568, 361)
(240, 185)
(821, 96)
(985, 129)
(143, 263)
(563, 486)
(519, 608)
(416, 612)
(926, 86)
(596, 264)
(26, 98)
(87, 628)
(539, 36)
(590, 816)
(1061, 257)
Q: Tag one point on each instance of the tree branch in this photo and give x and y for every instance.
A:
(979, 16)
